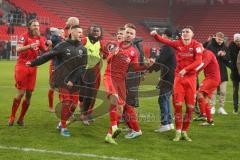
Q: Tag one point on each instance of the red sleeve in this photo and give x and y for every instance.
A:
(135, 62)
(105, 46)
(104, 52)
(166, 41)
(198, 50)
(42, 45)
(84, 41)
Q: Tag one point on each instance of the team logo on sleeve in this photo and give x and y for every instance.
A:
(132, 53)
(199, 49)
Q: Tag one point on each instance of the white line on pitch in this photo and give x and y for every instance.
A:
(63, 153)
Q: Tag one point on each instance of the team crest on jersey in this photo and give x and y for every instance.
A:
(80, 52)
(199, 50)
(190, 49)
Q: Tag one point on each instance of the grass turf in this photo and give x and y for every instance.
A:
(216, 142)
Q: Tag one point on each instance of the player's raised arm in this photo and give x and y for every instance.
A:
(163, 40)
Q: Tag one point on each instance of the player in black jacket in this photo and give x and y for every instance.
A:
(72, 56)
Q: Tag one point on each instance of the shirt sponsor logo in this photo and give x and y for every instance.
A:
(188, 54)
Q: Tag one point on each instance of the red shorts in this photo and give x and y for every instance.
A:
(65, 95)
(115, 86)
(184, 90)
(208, 86)
(25, 77)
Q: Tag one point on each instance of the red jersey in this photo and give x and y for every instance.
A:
(188, 56)
(118, 64)
(210, 66)
(30, 54)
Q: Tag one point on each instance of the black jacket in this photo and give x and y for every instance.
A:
(166, 62)
(137, 43)
(72, 58)
(233, 52)
(223, 61)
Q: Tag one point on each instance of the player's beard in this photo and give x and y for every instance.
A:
(35, 32)
(126, 44)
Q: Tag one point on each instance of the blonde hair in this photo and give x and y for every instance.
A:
(72, 21)
(220, 35)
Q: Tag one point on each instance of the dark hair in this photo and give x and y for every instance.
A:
(188, 27)
(121, 29)
(92, 27)
(31, 21)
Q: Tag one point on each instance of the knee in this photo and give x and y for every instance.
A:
(178, 104)
(190, 107)
(113, 99)
(120, 109)
(222, 93)
(28, 95)
(19, 96)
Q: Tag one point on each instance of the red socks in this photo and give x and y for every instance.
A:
(178, 116)
(25, 106)
(187, 118)
(208, 113)
(202, 105)
(114, 117)
(67, 110)
(15, 105)
(50, 98)
(131, 118)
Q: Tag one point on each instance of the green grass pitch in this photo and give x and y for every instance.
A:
(43, 141)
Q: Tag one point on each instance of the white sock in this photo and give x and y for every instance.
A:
(179, 131)
(114, 127)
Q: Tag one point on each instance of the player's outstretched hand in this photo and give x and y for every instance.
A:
(33, 45)
(182, 72)
(221, 53)
(115, 51)
(70, 84)
(153, 33)
(49, 43)
(151, 61)
(28, 63)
